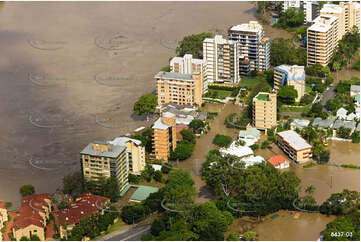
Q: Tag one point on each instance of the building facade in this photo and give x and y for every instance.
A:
(322, 39)
(181, 89)
(188, 65)
(3, 217)
(294, 146)
(310, 8)
(164, 136)
(265, 110)
(104, 160)
(221, 60)
(135, 153)
(292, 76)
(252, 44)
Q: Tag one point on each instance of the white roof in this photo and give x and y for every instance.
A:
(323, 23)
(185, 121)
(252, 160)
(294, 140)
(252, 26)
(156, 167)
(341, 112)
(218, 39)
(160, 125)
(181, 59)
(331, 8)
(238, 151)
(300, 122)
(351, 116)
(168, 115)
(122, 140)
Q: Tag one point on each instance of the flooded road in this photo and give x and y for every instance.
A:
(71, 71)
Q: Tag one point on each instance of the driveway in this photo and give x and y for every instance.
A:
(327, 95)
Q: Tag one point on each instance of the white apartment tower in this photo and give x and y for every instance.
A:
(309, 7)
(221, 60)
(253, 45)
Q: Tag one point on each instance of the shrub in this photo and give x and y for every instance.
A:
(133, 178)
(222, 140)
(27, 190)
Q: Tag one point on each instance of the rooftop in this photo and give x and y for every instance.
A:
(324, 123)
(322, 23)
(294, 72)
(252, 26)
(346, 124)
(160, 125)
(263, 97)
(174, 76)
(277, 160)
(121, 141)
(294, 140)
(113, 152)
(142, 193)
(177, 59)
(331, 8)
(218, 39)
(253, 132)
(301, 123)
(355, 88)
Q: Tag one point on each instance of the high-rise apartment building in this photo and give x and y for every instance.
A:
(221, 60)
(181, 89)
(322, 39)
(265, 110)
(188, 65)
(252, 44)
(292, 76)
(339, 12)
(164, 136)
(101, 159)
(310, 8)
(135, 153)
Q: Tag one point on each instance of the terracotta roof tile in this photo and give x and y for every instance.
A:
(277, 160)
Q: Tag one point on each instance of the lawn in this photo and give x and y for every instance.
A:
(308, 89)
(250, 81)
(117, 225)
(219, 94)
(294, 109)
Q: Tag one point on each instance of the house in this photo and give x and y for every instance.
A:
(354, 89)
(341, 113)
(346, 124)
(323, 123)
(3, 217)
(184, 113)
(252, 160)
(279, 162)
(250, 136)
(299, 123)
(85, 205)
(237, 150)
(357, 100)
(351, 117)
(32, 216)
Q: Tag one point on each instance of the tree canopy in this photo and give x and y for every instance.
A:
(27, 190)
(287, 94)
(145, 105)
(193, 44)
(284, 52)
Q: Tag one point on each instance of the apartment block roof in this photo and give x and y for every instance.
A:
(331, 8)
(121, 141)
(178, 59)
(174, 76)
(294, 140)
(85, 205)
(160, 125)
(322, 23)
(252, 26)
(300, 123)
(113, 152)
(218, 39)
(263, 97)
(294, 72)
(277, 160)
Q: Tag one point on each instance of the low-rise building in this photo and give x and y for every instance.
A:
(323, 123)
(354, 90)
(279, 162)
(346, 124)
(184, 113)
(249, 136)
(299, 123)
(292, 76)
(164, 136)
(102, 159)
(265, 110)
(341, 113)
(3, 217)
(135, 151)
(294, 146)
(85, 205)
(182, 89)
(32, 216)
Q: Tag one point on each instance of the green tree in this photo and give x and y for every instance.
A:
(34, 237)
(222, 140)
(24, 238)
(336, 67)
(292, 17)
(27, 190)
(134, 213)
(72, 184)
(287, 94)
(193, 44)
(233, 236)
(250, 236)
(197, 125)
(343, 132)
(284, 52)
(145, 105)
(341, 203)
(337, 229)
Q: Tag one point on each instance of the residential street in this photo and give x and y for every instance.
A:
(327, 95)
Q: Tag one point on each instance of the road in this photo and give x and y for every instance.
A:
(327, 95)
(131, 233)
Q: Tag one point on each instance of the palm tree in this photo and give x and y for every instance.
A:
(336, 66)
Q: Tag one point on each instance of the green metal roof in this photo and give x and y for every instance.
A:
(357, 97)
(263, 97)
(142, 192)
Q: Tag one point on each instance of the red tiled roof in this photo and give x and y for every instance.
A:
(2, 204)
(85, 205)
(277, 160)
(28, 213)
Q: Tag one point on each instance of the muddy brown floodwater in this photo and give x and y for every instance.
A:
(71, 71)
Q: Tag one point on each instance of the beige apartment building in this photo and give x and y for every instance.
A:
(294, 146)
(265, 110)
(221, 60)
(164, 136)
(322, 39)
(3, 217)
(292, 76)
(103, 160)
(188, 65)
(135, 153)
(181, 89)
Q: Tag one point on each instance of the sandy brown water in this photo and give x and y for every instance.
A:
(59, 71)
